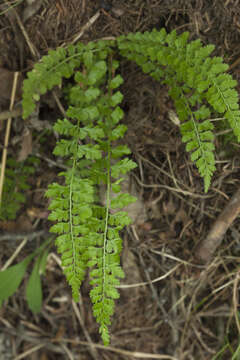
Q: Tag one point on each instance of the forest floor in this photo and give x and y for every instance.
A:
(173, 308)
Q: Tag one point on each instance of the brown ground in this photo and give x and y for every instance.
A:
(189, 312)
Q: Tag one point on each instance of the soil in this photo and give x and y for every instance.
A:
(178, 308)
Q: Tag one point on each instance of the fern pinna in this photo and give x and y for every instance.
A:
(88, 232)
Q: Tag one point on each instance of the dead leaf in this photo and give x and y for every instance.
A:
(37, 213)
(117, 11)
(22, 224)
(26, 145)
(60, 333)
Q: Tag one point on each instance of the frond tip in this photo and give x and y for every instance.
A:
(105, 277)
(199, 141)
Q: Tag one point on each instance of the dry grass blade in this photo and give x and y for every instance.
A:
(15, 254)
(149, 282)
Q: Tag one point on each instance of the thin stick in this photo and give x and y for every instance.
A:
(85, 27)
(7, 134)
(236, 302)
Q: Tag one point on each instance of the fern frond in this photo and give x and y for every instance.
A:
(88, 233)
(191, 73)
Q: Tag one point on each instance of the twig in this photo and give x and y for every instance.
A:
(85, 27)
(235, 301)
(7, 134)
(234, 64)
(61, 108)
(214, 238)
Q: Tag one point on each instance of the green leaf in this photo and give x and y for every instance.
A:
(97, 72)
(105, 334)
(116, 187)
(116, 116)
(92, 93)
(94, 133)
(36, 97)
(116, 82)
(116, 98)
(122, 167)
(34, 288)
(84, 212)
(119, 151)
(88, 58)
(91, 152)
(11, 278)
(120, 218)
(122, 200)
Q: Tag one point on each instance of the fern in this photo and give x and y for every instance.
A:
(88, 233)
(197, 83)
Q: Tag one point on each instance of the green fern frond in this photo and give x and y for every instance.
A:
(191, 73)
(87, 232)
